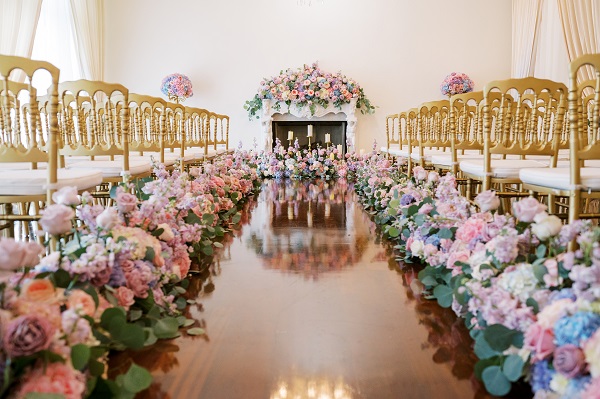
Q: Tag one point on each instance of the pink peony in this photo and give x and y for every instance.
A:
(57, 219)
(526, 209)
(32, 251)
(38, 290)
(27, 335)
(470, 230)
(540, 340)
(56, 378)
(569, 360)
(592, 390)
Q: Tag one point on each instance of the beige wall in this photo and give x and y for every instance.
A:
(398, 50)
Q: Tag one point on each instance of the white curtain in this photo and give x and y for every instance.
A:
(88, 25)
(580, 19)
(551, 59)
(18, 22)
(526, 20)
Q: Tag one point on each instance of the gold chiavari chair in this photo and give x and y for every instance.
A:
(96, 119)
(29, 172)
(516, 130)
(580, 182)
(175, 135)
(222, 134)
(147, 117)
(196, 128)
(392, 133)
(211, 137)
(465, 131)
(433, 131)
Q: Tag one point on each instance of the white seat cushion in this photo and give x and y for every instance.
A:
(114, 168)
(33, 182)
(500, 168)
(591, 163)
(384, 149)
(21, 165)
(560, 178)
(446, 159)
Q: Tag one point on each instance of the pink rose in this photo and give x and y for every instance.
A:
(57, 219)
(126, 202)
(108, 219)
(12, 254)
(125, 297)
(38, 290)
(32, 251)
(419, 173)
(569, 360)
(470, 230)
(526, 209)
(487, 201)
(457, 256)
(540, 340)
(27, 335)
(66, 196)
(433, 177)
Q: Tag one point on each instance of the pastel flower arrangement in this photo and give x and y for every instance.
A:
(456, 83)
(176, 87)
(506, 276)
(113, 281)
(309, 86)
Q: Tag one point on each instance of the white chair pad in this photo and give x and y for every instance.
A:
(560, 178)
(500, 168)
(21, 165)
(446, 159)
(384, 149)
(114, 168)
(590, 163)
(33, 182)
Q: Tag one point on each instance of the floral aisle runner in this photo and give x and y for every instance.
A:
(532, 306)
(115, 279)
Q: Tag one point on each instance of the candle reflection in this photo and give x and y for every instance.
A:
(318, 236)
(312, 388)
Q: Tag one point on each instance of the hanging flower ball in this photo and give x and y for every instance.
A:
(456, 83)
(177, 87)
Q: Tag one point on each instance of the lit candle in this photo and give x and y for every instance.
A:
(290, 135)
(310, 130)
(327, 138)
(339, 148)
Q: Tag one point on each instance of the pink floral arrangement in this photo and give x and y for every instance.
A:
(177, 87)
(310, 86)
(456, 83)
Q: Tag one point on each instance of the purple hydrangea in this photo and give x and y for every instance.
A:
(407, 199)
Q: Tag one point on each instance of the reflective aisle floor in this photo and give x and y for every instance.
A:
(306, 303)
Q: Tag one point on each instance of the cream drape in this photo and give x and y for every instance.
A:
(526, 20)
(579, 20)
(88, 25)
(551, 59)
(18, 22)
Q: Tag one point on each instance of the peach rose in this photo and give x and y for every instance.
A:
(40, 290)
(125, 297)
(80, 300)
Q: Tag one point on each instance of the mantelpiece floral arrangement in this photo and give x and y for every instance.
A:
(309, 86)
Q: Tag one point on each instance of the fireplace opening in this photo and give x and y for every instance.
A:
(337, 130)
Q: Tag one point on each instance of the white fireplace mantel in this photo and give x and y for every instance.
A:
(270, 113)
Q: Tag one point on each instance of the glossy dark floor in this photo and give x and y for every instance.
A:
(305, 303)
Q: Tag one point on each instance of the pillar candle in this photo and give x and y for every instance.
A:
(327, 138)
(310, 130)
(290, 135)
(339, 148)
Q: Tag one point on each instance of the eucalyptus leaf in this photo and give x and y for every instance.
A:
(495, 381)
(136, 379)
